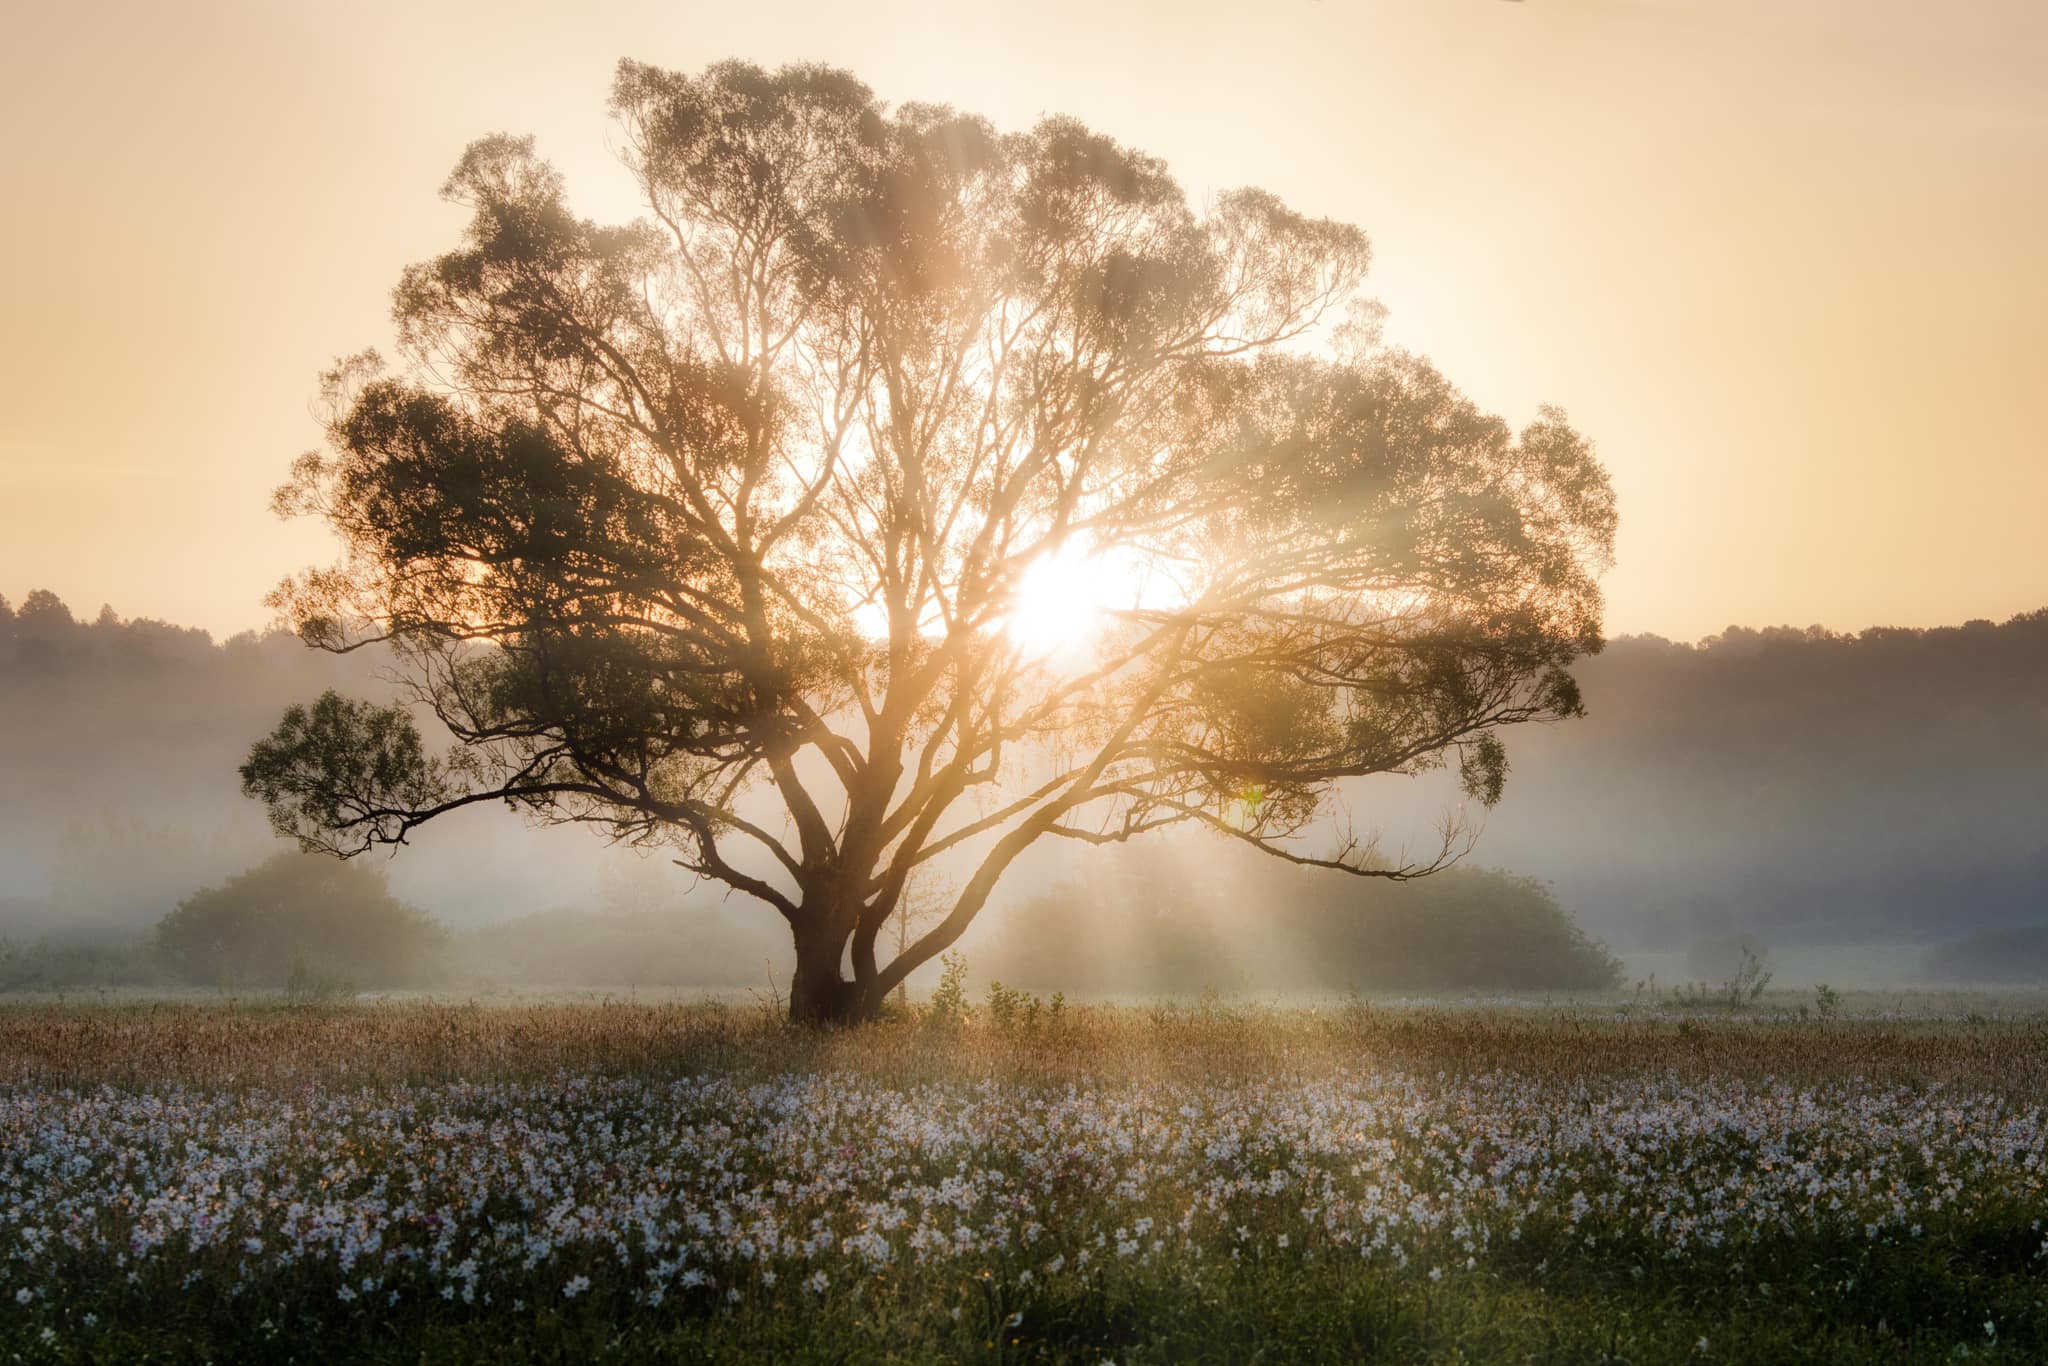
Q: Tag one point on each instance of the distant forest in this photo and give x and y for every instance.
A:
(118, 786)
(1804, 786)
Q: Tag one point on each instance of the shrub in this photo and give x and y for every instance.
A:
(1012, 1011)
(304, 918)
(47, 966)
(949, 1006)
(1461, 929)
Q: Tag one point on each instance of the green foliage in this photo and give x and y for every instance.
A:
(1483, 767)
(949, 1007)
(1011, 1011)
(1827, 1002)
(342, 775)
(301, 917)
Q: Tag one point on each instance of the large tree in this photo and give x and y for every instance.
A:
(901, 489)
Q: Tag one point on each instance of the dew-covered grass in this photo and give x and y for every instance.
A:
(626, 1182)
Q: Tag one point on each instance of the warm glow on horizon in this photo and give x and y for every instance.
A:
(1780, 263)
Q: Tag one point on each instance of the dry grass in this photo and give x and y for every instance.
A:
(257, 1044)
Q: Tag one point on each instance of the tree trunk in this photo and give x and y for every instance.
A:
(819, 993)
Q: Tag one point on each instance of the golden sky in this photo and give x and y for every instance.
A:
(1785, 260)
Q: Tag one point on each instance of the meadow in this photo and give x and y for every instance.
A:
(1022, 1180)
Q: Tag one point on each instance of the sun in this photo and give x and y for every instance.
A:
(1055, 611)
(1068, 594)
(1059, 603)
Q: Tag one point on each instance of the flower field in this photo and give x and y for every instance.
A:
(633, 1182)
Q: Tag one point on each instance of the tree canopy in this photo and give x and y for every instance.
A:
(899, 489)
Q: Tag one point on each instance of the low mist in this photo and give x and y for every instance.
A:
(1861, 810)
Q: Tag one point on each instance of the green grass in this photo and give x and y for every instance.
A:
(1799, 1303)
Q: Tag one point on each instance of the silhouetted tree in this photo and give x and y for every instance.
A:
(45, 609)
(746, 503)
(43, 630)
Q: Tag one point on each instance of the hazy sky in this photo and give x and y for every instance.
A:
(1782, 259)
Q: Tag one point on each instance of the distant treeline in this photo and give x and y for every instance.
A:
(1798, 785)
(1804, 786)
(119, 744)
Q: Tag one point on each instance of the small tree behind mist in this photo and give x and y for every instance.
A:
(300, 914)
(1464, 928)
